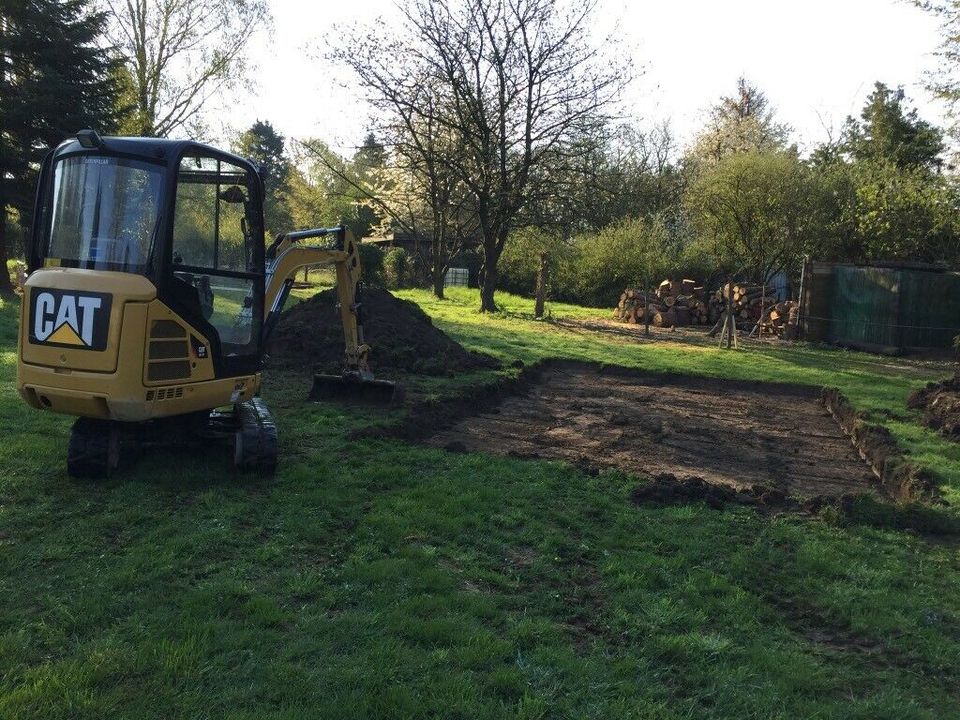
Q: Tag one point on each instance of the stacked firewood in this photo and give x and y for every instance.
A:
(750, 302)
(674, 303)
(756, 311)
(782, 320)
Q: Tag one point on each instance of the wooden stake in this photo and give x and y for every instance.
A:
(541, 297)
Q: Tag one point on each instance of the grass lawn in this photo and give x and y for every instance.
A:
(378, 579)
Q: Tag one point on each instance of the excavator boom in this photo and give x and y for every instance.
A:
(328, 246)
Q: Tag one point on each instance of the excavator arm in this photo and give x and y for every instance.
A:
(328, 246)
(337, 247)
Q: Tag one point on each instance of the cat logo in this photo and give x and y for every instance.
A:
(67, 318)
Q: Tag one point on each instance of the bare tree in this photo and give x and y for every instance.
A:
(413, 190)
(179, 53)
(513, 82)
(418, 188)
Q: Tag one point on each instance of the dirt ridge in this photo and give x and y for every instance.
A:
(900, 479)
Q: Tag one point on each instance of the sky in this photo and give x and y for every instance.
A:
(816, 60)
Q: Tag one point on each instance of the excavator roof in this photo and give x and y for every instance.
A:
(155, 149)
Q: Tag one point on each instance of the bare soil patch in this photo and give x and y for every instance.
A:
(753, 438)
(402, 337)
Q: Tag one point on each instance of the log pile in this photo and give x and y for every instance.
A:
(674, 303)
(755, 311)
(679, 303)
(750, 302)
(782, 320)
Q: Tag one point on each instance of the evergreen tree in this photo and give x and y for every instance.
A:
(265, 146)
(887, 132)
(55, 78)
(886, 198)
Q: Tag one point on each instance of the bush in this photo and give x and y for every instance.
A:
(628, 253)
(593, 269)
(16, 236)
(398, 271)
(520, 261)
(371, 263)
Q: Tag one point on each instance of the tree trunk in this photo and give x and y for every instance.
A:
(488, 286)
(439, 256)
(6, 287)
(541, 286)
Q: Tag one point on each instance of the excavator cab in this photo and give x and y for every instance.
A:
(182, 216)
(146, 301)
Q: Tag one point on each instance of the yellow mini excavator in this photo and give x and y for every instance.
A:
(151, 293)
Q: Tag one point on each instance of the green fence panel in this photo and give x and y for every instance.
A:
(865, 306)
(929, 309)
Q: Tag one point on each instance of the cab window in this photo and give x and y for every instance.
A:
(104, 214)
(213, 243)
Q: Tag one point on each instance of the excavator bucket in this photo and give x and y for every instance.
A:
(351, 387)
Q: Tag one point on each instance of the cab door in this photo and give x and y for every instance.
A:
(215, 276)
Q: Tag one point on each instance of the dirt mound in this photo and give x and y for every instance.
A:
(668, 489)
(401, 336)
(940, 403)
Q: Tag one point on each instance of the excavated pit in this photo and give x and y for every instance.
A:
(743, 435)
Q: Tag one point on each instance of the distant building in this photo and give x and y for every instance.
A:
(418, 247)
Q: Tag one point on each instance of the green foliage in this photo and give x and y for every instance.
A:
(371, 261)
(398, 270)
(594, 268)
(756, 212)
(55, 79)
(323, 187)
(265, 146)
(633, 252)
(904, 213)
(520, 261)
(315, 197)
(16, 235)
(885, 198)
(887, 133)
(369, 158)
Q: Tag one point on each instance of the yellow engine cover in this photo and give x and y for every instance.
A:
(100, 344)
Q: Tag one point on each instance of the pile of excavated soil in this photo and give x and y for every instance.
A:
(940, 403)
(401, 336)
